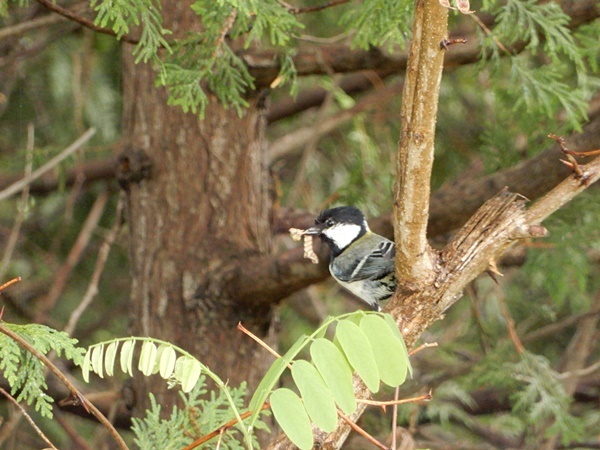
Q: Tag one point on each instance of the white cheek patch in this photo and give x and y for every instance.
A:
(342, 234)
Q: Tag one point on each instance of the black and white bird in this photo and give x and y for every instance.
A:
(361, 261)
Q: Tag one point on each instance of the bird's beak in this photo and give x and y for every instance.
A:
(315, 230)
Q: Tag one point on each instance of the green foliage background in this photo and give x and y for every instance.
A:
(493, 113)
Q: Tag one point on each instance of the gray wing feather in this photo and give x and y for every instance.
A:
(375, 264)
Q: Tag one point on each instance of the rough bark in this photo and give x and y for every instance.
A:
(414, 162)
(198, 204)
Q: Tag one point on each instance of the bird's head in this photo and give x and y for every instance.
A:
(339, 227)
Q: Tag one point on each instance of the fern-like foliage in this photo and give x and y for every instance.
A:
(24, 372)
(122, 15)
(532, 85)
(380, 22)
(204, 61)
(543, 399)
(198, 417)
(158, 357)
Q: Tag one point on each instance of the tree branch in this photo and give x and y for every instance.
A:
(414, 259)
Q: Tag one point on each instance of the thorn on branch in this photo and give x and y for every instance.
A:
(537, 231)
(571, 162)
(493, 271)
(445, 43)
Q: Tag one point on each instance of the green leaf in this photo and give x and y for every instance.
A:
(97, 354)
(392, 324)
(358, 351)
(388, 350)
(317, 397)
(291, 416)
(336, 372)
(109, 358)
(167, 360)
(190, 373)
(272, 377)
(126, 359)
(86, 366)
(147, 358)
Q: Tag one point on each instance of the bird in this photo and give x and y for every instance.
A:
(360, 260)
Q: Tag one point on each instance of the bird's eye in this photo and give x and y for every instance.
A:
(330, 222)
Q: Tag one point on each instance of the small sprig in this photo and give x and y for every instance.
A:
(571, 162)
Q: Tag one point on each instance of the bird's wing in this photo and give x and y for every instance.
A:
(376, 264)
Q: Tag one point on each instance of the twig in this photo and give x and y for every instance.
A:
(92, 289)
(309, 9)
(421, 398)
(8, 425)
(9, 283)
(28, 417)
(262, 343)
(84, 22)
(228, 24)
(510, 324)
(302, 136)
(293, 10)
(18, 29)
(74, 392)
(563, 193)
(563, 147)
(360, 431)
(74, 256)
(78, 441)
(554, 328)
(222, 428)
(395, 417)
(488, 32)
(580, 372)
(19, 185)
(22, 206)
(422, 347)
(295, 191)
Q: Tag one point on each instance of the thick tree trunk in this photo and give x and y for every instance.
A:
(198, 206)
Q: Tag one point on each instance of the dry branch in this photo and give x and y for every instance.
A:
(92, 289)
(81, 243)
(19, 185)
